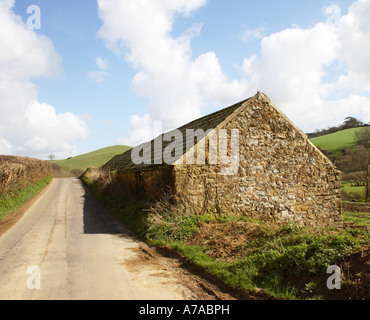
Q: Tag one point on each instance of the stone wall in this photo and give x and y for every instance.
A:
(150, 184)
(282, 177)
(158, 183)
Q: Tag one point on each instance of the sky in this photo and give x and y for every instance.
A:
(76, 76)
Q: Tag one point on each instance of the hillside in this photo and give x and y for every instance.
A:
(336, 142)
(352, 163)
(92, 159)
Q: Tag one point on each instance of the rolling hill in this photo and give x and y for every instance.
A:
(92, 159)
(337, 141)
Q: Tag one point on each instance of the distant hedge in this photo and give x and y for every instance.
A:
(18, 172)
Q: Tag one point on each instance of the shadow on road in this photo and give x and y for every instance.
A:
(97, 220)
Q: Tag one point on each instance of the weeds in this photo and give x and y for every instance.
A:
(166, 224)
(358, 218)
(275, 257)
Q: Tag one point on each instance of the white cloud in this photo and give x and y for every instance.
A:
(251, 34)
(142, 130)
(294, 66)
(101, 63)
(290, 67)
(178, 85)
(28, 127)
(354, 45)
(5, 147)
(98, 76)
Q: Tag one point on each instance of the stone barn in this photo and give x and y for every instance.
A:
(246, 160)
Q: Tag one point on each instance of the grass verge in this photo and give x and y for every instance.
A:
(357, 218)
(278, 261)
(21, 196)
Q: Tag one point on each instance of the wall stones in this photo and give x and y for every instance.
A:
(282, 176)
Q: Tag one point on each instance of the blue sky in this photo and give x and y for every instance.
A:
(100, 73)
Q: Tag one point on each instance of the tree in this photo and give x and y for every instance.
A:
(355, 164)
(351, 122)
(51, 157)
(362, 137)
(367, 185)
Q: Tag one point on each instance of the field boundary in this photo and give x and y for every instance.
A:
(356, 206)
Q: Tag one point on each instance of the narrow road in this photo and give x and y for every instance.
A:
(66, 246)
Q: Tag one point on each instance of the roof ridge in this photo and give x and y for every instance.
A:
(209, 123)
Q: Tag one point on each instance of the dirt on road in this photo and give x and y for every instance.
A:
(65, 246)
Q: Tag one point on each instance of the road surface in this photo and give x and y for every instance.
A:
(66, 246)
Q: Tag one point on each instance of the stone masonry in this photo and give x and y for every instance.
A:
(281, 176)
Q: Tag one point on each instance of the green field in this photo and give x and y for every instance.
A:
(92, 159)
(336, 142)
(356, 189)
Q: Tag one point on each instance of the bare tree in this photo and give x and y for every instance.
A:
(51, 157)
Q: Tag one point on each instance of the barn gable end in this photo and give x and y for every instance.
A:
(282, 176)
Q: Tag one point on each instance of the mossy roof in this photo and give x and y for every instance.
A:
(124, 161)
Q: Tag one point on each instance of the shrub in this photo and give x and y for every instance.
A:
(77, 172)
(56, 167)
(18, 172)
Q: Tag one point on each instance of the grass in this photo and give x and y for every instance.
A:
(92, 159)
(273, 259)
(21, 196)
(338, 141)
(356, 189)
(358, 218)
(355, 193)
